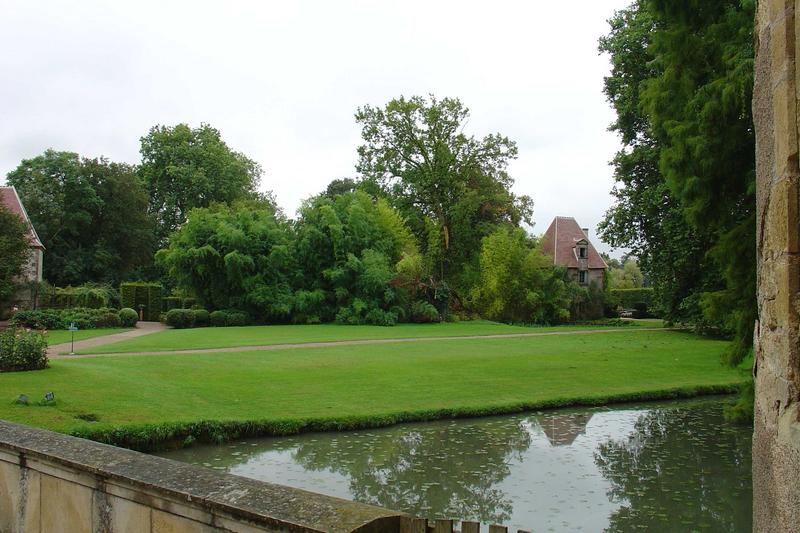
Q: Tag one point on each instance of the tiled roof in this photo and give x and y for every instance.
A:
(10, 200)
(559, 243)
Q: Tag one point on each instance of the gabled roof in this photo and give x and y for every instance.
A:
(10, 200)
(559, 242)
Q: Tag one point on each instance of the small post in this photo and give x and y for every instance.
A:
(470, 527)
(72, 328)
(443, 526)
(413, 525)
(498, 529)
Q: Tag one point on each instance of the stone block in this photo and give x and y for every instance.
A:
(128, 517)
(169, 523)
(66, 506)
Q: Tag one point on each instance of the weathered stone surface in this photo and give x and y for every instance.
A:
(91, 486)
(776, 442)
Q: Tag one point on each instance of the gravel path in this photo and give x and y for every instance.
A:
(142, 328)
(233, 349)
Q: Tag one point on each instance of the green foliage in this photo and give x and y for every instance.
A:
(184, 168)
(90, 295)
(629, 298)
(348, 248)
(91, 215)
(38, 319)
(21, 349)
(201, 318)
(136, 294)
(628, 275)
(223, 318)
(453, 189)
(235, 257)
(14, 250)
(682, 86)
(180, 318)
(587, 303)
(128, 317)
(422, 312)
(171, 302)
(518, 283)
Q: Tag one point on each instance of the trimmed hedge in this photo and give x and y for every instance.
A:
(87, 296)
(134, 294)
(128, 317)
(82, 317)
(21, 350)
(224, 318)
(187, 318)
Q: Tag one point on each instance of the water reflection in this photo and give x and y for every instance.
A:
(657, 467)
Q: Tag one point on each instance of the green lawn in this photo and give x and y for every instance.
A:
(470, 376)
(59, 336)
(199, 338)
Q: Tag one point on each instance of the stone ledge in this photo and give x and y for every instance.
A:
(256, 503)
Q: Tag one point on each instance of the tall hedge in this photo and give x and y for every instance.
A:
(134, 294)
(628, 298)
(91, 297)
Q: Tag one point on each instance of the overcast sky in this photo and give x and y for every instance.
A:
(282, 80)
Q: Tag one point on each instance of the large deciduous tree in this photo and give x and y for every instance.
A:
(91, 215)
(452, 188)
(681, 85)
(184, 168)
(14, 250)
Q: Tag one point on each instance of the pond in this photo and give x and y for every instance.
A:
(665, 466)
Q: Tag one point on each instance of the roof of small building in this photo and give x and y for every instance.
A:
(10, 200)
(560, 240)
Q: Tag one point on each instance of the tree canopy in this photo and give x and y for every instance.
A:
(681, 84)
(183, 168)
(91, 215)
(14, 249)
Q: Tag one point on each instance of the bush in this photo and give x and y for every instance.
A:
(22, 349)
(180, 318)
(40, 319)
(223, 318)
(201, 318)
(424, 312)
(128, 317)
(219, 319)
(89, 295)
(629, 298)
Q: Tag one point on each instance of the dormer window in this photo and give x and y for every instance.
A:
(582, 252)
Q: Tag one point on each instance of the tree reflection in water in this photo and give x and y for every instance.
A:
(412, 469)
(682, 469)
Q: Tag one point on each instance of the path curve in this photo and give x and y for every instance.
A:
(328, 344)
(142, 328)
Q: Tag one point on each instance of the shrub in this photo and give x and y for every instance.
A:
(170, 302)
(180, 318)
(128, 317)
(201, 318)
(22, 349)
(629, 298)
(422, 311)
(40, 319)
(227, 317)
(219, 319)
(89, 295)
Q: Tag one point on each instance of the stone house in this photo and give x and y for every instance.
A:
(33, 270)
(569, 246)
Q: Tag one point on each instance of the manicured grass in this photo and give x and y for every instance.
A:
(58, 336)
(200, 338)
(281, 391)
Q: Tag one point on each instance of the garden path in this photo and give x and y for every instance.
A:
(99, 341)
(142, 328)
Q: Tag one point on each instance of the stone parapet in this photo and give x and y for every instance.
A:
(53, 482)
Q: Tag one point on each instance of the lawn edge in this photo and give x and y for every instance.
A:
(173, 435)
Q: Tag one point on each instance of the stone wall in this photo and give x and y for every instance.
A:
(51, 482)
(776, 443)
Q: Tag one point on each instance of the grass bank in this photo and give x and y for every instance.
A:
(203, 338)
(152, 402)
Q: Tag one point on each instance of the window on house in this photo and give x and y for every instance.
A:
(582, 252)
(582, 276)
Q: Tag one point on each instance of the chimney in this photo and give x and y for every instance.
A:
(585, 232)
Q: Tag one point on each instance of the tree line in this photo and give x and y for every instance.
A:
(427, 228)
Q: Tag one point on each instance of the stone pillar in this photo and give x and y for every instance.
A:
(776, 439)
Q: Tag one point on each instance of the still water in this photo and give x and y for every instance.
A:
(667, 466)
